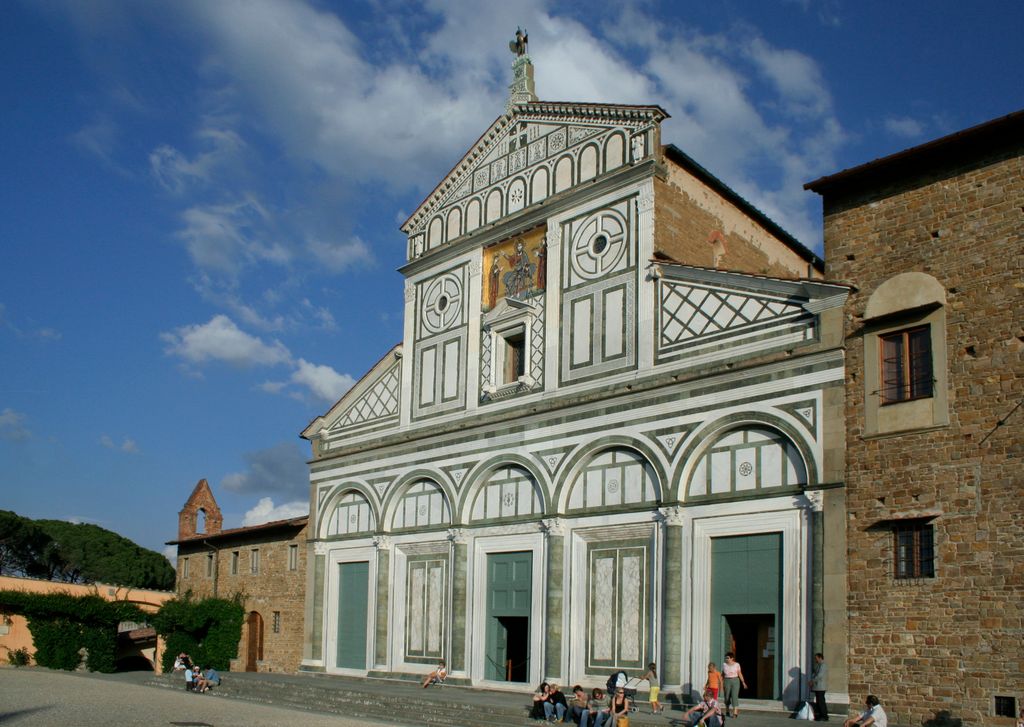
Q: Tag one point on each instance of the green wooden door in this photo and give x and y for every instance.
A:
(509, 593)
(746, 599)
(353, 593)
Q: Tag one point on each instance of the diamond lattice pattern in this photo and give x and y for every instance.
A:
(380, 401)
(690, 311)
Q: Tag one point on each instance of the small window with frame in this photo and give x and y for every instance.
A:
(513, 355)
(906, 365)
(234, 563)
(209, 565)
(254, 561)
(914, 543)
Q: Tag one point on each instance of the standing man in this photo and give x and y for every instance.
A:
(819, 685)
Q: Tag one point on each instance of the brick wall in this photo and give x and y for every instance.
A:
(273, 588)
(954, 641)
(695, 225)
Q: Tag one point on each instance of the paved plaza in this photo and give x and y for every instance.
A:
(41, 698)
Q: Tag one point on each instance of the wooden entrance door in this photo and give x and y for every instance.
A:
(509, 599)
(353, 597)
(254, 640)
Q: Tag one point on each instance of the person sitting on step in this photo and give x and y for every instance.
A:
(437, 676)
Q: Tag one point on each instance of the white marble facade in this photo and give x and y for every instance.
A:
(659, 407)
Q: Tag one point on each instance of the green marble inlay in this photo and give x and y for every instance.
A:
(381, 626)
(555, 605)
(671, 643)
(318, 608)
(458, 656)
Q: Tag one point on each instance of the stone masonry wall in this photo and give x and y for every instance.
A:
(952, 642)
(274, 588)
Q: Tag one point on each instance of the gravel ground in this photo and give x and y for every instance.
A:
(41, 697)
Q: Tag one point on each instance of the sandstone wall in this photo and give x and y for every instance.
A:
(954, 641)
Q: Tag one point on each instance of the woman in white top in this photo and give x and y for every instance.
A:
(732, 678)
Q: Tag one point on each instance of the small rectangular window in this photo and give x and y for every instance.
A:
(254, 561)
(293, 557)
(234, 563)
(209, 565)
(915, 550)
(277, 622)
(906, 365)
(1006, 707)
(514, 356)
(184, 567)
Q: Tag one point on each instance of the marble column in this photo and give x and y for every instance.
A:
(555, 597)
(459, 560)
(672, 625)
(380, 652)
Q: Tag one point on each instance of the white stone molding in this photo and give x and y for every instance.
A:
(335, 557)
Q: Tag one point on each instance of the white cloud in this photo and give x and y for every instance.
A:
(338, 256)
(227, 237)
(276, 470)
(127, 445)
(175, 172)
(12, 426)
(221, 340)
(323, 381)
(904, 127)
(265, 511)
(171, 553)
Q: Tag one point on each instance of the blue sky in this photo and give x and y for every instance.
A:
(200, 199)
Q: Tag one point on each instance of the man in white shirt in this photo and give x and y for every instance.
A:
(873, 715)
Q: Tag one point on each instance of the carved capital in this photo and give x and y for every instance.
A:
(553, 238)
(672, 516)
(382, 542)
(553, 526)
(457, 536)
(645, 201)
(475, 268)
(815, 500)
(410, 291)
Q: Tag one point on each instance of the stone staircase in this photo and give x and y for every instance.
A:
(403, 702)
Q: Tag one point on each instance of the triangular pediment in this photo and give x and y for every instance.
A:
(530, 136)
(373, 400)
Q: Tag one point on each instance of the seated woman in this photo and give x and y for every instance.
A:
(620, 706)
(540, 698)
(438, 675)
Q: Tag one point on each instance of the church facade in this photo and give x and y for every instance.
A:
(612, 433)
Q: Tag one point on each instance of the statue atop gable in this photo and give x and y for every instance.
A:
(518, 45)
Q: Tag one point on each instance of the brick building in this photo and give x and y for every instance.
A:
(265, 563)
(932, 239)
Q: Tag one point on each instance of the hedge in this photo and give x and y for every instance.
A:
(207, 630)
(62, 625)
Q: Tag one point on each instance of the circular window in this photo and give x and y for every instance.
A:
(599, 245)
(442, 303)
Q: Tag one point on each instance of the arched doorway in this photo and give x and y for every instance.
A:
(254, 640)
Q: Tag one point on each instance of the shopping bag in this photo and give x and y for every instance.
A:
(805, 712)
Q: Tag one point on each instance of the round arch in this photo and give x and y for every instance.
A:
(706, 437)
(326, 513)
(585, 453)
(477, 478)
(401, 485)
